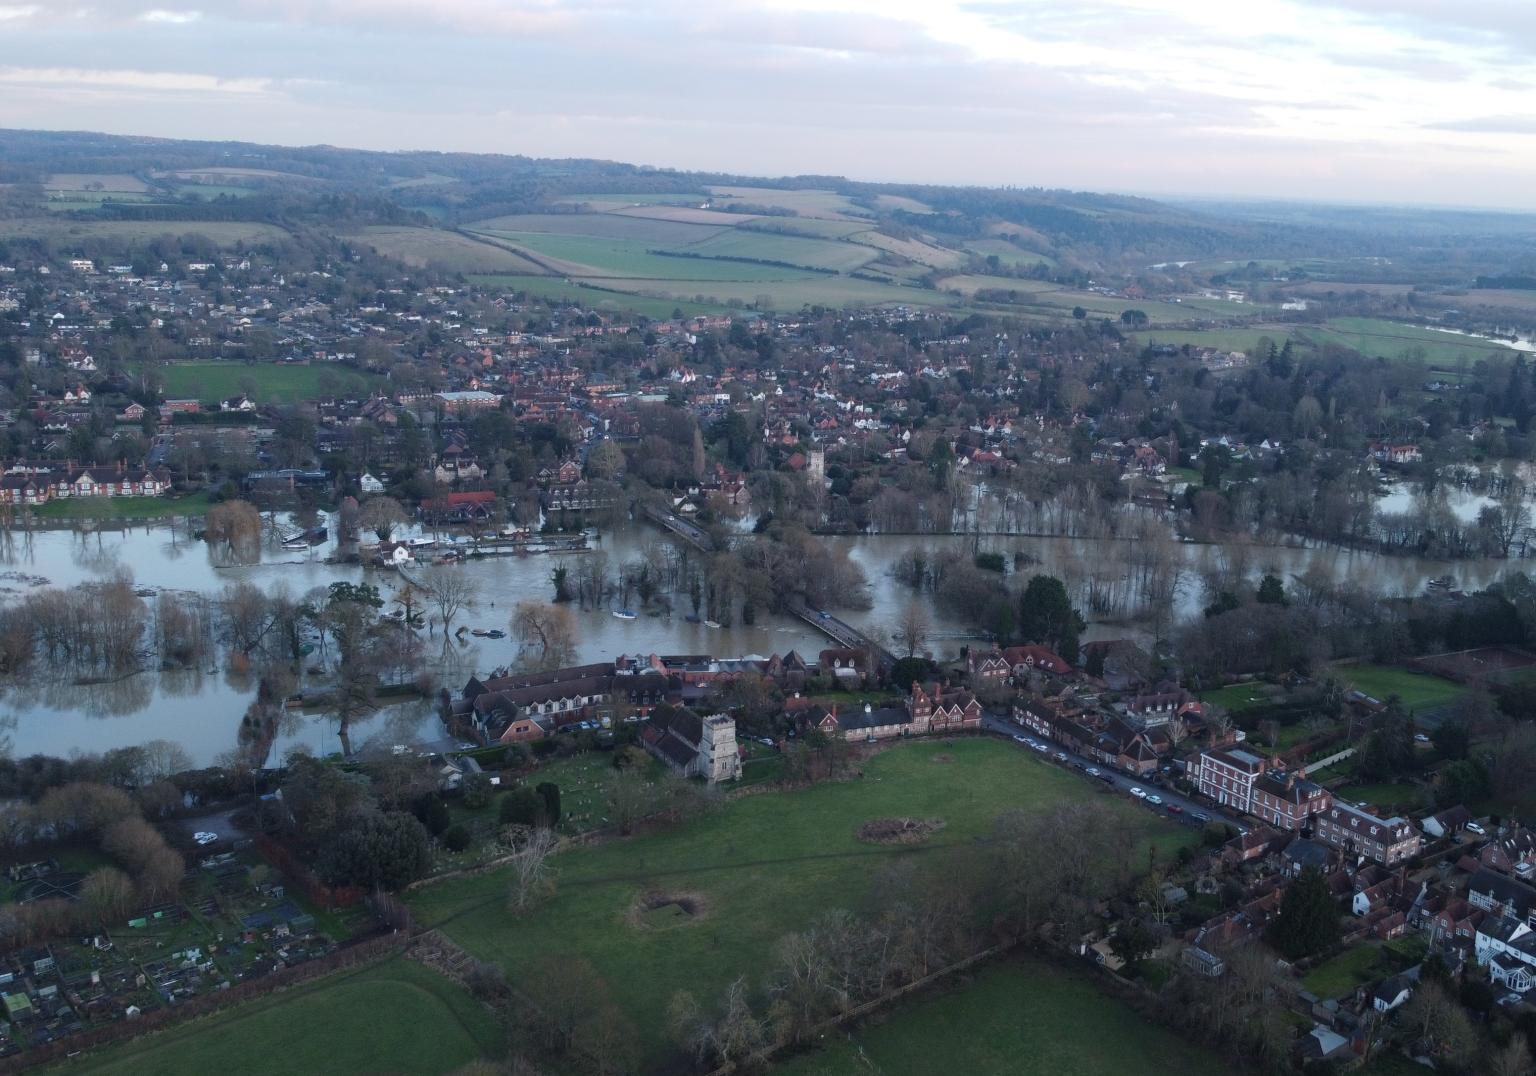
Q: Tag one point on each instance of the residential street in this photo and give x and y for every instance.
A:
(1121, 782)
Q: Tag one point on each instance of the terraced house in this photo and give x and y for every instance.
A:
(1238, 778)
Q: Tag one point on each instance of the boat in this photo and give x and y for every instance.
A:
(711, 624)
(495, 633)
(480, 633)
(296, 547)
(290, 539)
(692, 618)
(422, 543)
(624, 614)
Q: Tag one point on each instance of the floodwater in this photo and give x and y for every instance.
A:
(201, 709)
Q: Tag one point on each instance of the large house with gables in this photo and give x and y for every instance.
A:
(936, 709)
(27, 483)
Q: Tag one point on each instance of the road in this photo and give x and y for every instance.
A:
(1121, 782)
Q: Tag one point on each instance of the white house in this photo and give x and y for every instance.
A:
(1507, 948)
(370, 484)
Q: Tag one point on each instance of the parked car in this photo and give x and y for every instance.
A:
(1174, 808)
(1419, 737)
(1062, 755)
(1511, 999)
(1156, 801)
(1108, 779)
(1473, 827)
(1199, 816)
(1138, 793)
(202, 836)
(1092, 771)
(1044, 750)
(1021, 739)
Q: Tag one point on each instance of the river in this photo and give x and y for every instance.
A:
(201, 710)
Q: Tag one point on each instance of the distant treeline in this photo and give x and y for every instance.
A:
(1508, 282)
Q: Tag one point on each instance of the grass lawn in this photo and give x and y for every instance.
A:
(1386, 797)
(195, 504)
(209, 381)
(1362, 964)
(1416, 690)
(1225, 339)
(439, 247)
(762, 866)
(1237, 697)
(396, 1016)
(1338, 976)
(1020, 1018)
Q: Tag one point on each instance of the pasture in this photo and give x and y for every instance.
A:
(807, 203)
(117, 183)
(656, 233)
(609, 258)
(224, 233)
(423, 247)
(759, 867)
(1022, 1017)
(394, 1016)
(1377, 338)
(209, 381)
(591, 297)
(796, 250)
(195, 504)
(1007, 253)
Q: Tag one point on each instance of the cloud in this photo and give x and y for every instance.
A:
(156, 81)
(1488, 125)
(176, 18)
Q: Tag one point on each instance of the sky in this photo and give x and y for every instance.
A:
(1398, 101)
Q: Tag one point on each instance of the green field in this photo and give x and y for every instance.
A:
(1020, 1018)
(423, 247)
(815, 227)
(224, 233)
(762, 866)
(796, 250)
(595, 298)
(648, 230)
(1224, 339)
(1393, 340)
(124, 507)
(609, 258)
(1416, 690)
(209, 381)
(970, 283)
(396, 1016)
(815, 288)
(807, 203)
(1007, 253)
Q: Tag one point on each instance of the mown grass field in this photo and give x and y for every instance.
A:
(1008, 253)
(762, 866)
(1385, 797)
(1020, 1018)
(1360, 965)
(421, 247)
(656, 233)
(602, 257)
(396, 1016)
(210, 381)
(1416, 690)
(195, 504)
(807, 203)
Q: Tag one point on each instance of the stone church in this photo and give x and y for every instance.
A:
(694, 746)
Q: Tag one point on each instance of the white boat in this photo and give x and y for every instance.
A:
(299, 546)
(422, 543)
(624, 614)
(711, 624)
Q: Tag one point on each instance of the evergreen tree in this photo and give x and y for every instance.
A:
(1308, 922)
(1271, 591)
(1046, 616)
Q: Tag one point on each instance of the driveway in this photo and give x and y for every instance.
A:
(1121, 782)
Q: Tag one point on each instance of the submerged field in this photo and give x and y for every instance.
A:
(1019, 1018)
(758, 868)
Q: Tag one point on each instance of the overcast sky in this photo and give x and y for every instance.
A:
(1359, 100)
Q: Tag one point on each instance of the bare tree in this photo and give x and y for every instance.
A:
(233, 531)
(531, 871)
(547, 633)
(912, 626)
(1513, 1060)
(449, 590)
(382, 515)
